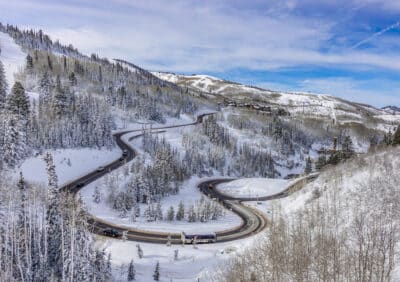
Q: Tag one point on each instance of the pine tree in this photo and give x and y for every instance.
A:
(321, 162)
(171, 214)
(176, 254)
(59, 100)
(22, 191)
(308, 168)
(45, 88)
(192, 214)
(18, 101)
(396, 137)
(72, 79)
(139, 251)
(180, 214)
(14, 146)
(347, 147)
(131, 271)
(53, 220)
(156, 275)
(29, 63)
(158, 212)
(3, 87)
(96, 195)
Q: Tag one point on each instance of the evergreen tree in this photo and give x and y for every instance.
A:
(139, 251)
(192, 214)
(72, 79)
(396, 137)
(53, 220)
(45, 88)
(14, 146)
(131, 271)
(171, 214)
(29, 63)
(3, 86)
(60, 102)
(158, 212)
(321, 162)
(18, 101)
(156, 275)
(308, 168)
(176, 254)
(347, 147)
(22, 191)
(180, 214)
(96, 195)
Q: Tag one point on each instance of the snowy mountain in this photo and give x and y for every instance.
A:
(392, 109)
(296, 104)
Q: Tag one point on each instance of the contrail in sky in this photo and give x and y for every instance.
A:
(373, 36)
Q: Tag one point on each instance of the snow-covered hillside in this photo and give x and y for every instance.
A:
(253, 187)
(11, 56)
(296, 103)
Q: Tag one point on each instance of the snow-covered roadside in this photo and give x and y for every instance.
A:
(70, 163)
(11, 56)
(253, 187)
(189, 194)
(192, 264)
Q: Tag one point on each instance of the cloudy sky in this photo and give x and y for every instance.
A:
(348, 48)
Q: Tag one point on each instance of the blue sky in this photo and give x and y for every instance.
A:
(349, 49)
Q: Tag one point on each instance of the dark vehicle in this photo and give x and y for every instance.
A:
(125, 152)
(121, 159)
(100, 168)
(112, 233)
(80, 184)
(210, 186)
(198, 238)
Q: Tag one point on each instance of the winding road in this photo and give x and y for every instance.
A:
(253, 221)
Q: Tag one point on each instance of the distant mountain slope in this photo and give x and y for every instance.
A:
(392, 109)
(297, 104)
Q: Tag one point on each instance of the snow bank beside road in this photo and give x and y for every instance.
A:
(253, 187)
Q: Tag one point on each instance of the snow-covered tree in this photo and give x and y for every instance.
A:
(180, 214)
(3, 86)
(131, 271)
(18, 101)
(156, 274)
(139, 251)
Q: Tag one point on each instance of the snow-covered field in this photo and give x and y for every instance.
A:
(70, 163)
(192, 264)
(253, 187)
(189, 194)
(11, 56)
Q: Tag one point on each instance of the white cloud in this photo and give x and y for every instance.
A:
(185, 36)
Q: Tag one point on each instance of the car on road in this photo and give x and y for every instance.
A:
(112, 233)
(125, 152)
(80, 184)
(121, 159)
(100, 168)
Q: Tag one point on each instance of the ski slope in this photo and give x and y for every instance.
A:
(12, 57)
